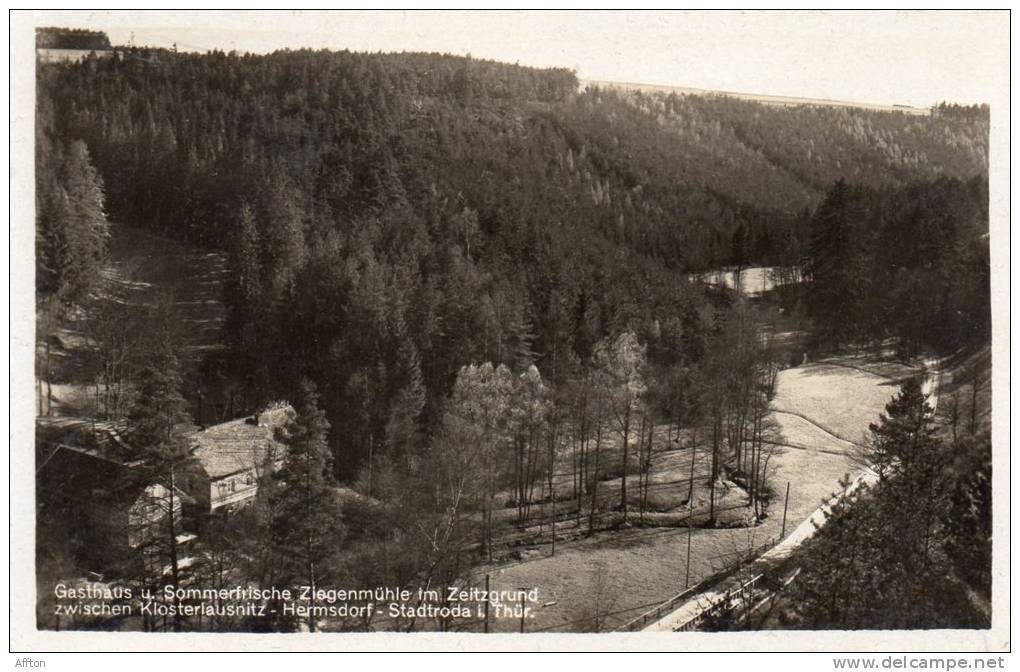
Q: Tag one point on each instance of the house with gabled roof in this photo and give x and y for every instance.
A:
(231, 459)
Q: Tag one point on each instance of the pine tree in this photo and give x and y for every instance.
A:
(88, 230)
(904, 433)
(968, 518)
(583, 328)
(53, 211)
(160, 406)
(406, 407)
(837, 268)
(159, 410)
(739, 249)
(884, 557)
(246, 303)
(282, 232)
(72, 231)
(307, 528)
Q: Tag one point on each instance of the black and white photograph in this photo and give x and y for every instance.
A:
(526, 323)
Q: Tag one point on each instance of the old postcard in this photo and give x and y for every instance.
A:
(516, 330)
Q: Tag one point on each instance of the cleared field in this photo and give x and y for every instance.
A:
(840, 400)
(886, 368)
(667, 503)
(141, 262)
(641, 567)
(756, 97)
(139, 265)
(754, 281)
(798, 432)
(632, 569)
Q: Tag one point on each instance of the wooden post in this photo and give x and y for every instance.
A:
(690, 507)
(694, 457)
(522, 610)
(690, 531)
(371, 447)
(487, 600)
(785, 506)
(554, 524)
(552, 473)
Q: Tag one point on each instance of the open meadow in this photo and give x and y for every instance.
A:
(632, 569)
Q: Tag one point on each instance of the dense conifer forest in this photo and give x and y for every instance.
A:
(496, 208)
(414, 236)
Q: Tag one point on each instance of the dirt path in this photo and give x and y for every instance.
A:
(932, 382)
(689, 612)
(822, 436)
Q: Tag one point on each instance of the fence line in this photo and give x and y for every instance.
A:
(669, 605)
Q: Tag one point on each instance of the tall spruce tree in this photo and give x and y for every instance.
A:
(159, 411)
(72, 231)
(308, 527)
(837, 268)
(904, 433)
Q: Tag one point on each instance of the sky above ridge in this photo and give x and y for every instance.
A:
(905, 57)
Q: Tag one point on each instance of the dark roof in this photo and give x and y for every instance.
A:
(103, 438)
(82, 474)
(240, 444)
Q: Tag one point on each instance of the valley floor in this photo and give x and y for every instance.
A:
(823, 410)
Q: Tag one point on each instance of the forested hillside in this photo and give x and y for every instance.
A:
(394, 217)
(479, 285)
(358, 134)
(911, 263)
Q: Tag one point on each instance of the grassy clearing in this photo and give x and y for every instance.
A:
(644, 565)
(797, 432)
(668, 502)
(139, 265)
(141, 262)
(886, 367)
(841, 400)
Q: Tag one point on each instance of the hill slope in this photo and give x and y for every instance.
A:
(671, 175)
(392, 217)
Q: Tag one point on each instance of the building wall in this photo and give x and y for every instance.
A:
(147, 517)
(233, 490)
